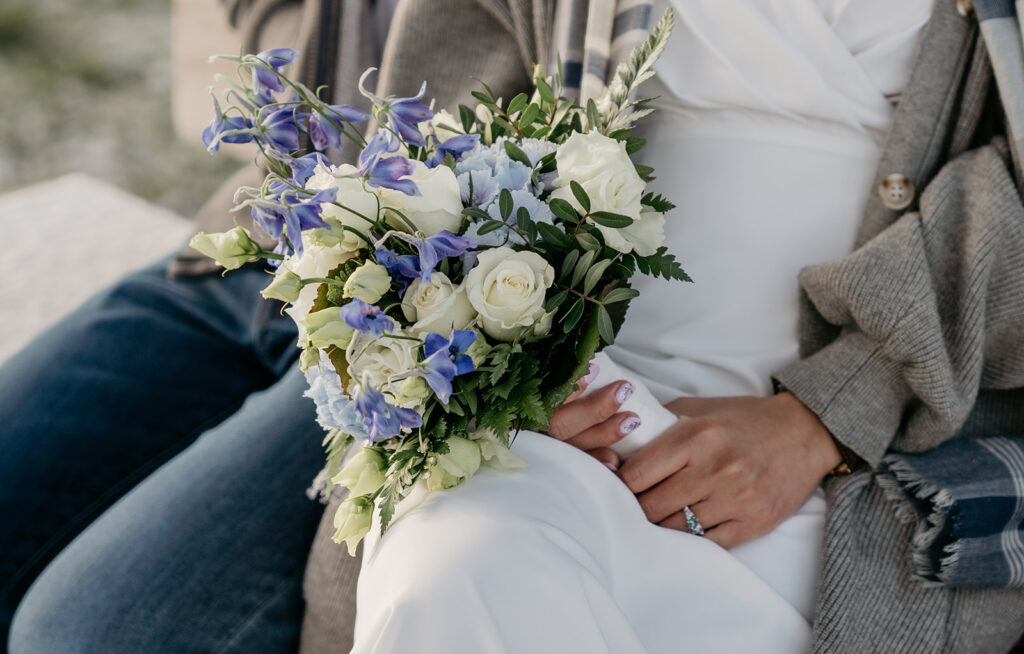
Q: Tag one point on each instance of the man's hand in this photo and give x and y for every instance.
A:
(592, 423)
(742, 464)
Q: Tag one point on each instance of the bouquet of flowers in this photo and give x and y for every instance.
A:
(452, 287)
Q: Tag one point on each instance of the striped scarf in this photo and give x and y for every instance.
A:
(593, 36)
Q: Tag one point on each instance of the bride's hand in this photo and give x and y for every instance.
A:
(743, 465)
(592, 423)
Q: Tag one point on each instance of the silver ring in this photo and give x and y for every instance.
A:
(692, 523)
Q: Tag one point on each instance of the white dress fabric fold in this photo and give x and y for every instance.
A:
(768, 130)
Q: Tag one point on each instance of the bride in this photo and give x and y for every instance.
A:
(768, 130)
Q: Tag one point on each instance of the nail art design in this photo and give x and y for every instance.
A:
(592, 374)
(624, 393)
(629, 425)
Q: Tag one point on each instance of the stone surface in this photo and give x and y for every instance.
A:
(67, 239)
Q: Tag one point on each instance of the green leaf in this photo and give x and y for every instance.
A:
(609, 219)
(476, 212)
(582, 266)
(593, 275)
(505, 201)
(555, 301)
(517, 103)
(515, 154)
(467, 117)
(529, 116)
(546, 94)
(562, 209)
(657, 202)
(568, 263)
(490, 226)
(482, 98)
(593, 117)
(552, 234)
(620, 294)
(621, 134)
(547, 163)
(504, 124)
(643, 171)
(588, 241)
(523, 221)
(581, 195)
(573, 315)
(604, 326)
(634, 143)
(541, 133)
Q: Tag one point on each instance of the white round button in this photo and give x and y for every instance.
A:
(897, 192)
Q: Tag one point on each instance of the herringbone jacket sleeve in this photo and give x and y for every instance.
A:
(930, 317)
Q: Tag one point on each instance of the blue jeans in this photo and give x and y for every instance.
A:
(154, 453)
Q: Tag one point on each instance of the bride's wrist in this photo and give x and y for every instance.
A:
(826, 455)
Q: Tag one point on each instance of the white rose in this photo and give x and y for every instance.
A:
(647, 233)
(601, 166)
(507, 289)
(437, 307)
(359, 201)
(316, 261)
(382, 359)
(437, 208)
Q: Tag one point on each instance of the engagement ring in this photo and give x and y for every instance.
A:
(692, 523)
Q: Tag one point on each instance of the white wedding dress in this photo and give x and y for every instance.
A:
(767, 134)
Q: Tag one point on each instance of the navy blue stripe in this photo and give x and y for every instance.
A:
(988, 9)
(636, 18)
(572, 74)
(983, 516)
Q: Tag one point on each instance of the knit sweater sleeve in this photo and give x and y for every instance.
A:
(928, 313)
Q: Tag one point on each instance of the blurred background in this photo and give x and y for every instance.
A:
(100, 163)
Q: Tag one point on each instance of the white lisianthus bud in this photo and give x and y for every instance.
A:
(437, 208)
(364, 472)
(230, 249)
(459, 464)
(507, 289)
(310, 357)
(412, 392)
(326, 327)
(352, 521)
(369, 282)
(285, 286)
(437, 306)
(478, 350)
(496, 454)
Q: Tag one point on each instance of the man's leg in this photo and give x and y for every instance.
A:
(101, 400)
(206, 555)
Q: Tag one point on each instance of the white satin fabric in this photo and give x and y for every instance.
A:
(766, 136)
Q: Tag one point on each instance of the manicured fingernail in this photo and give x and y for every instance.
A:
(611, 466)
(592, 375)
(624, 393)
(628, 425)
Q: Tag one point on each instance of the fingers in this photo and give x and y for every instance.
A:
(670, 496)
(729, 534)
(607, 433)
(583, 413)
(658, 459)
(607, 457)
(698, 406)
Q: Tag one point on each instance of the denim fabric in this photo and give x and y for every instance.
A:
(206, 553)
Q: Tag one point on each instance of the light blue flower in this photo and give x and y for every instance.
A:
(334, 409)
(538, 210)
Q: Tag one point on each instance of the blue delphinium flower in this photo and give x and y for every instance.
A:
(226, 129)
(303, 167)
(276, 58)
(455, 146)
(382, 419)
(445, 359)
(278, 130)
(366, 318)
(431, 250)
(385, 172)
(325, 131)
(400, 114)
(334, 409)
